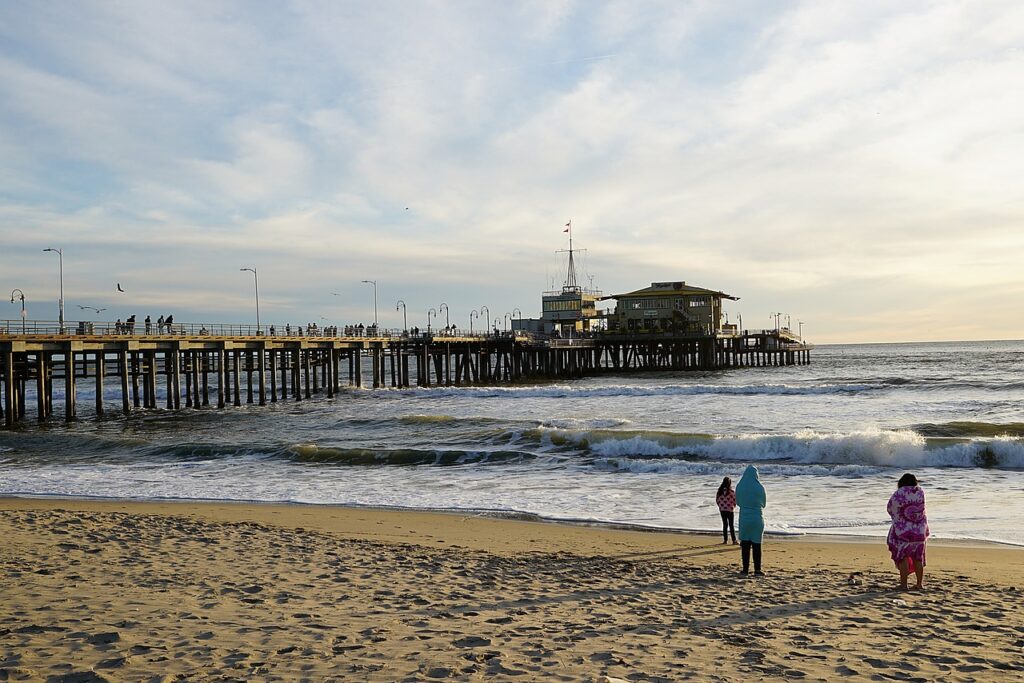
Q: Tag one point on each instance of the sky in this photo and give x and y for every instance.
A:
(856, 166)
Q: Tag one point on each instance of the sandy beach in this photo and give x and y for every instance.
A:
(124, 591)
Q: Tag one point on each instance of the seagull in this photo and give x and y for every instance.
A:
(119, 287)
(92, 308)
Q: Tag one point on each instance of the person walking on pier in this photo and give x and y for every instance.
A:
(273, 332)
(169, 321)
(160, 325)
(117, 326)
(751, 498)
(130, 324)
(149, 325)
(726, 500)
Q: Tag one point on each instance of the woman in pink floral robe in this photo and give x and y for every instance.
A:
(909, 532)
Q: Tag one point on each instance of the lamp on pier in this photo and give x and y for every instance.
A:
(405, 316)
(23, 314)
(256, 282)
(60, 301)
(374, 283)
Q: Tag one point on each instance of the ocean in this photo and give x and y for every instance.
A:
(648, 449)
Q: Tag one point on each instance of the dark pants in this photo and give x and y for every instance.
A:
(728, 526)
(745, 547)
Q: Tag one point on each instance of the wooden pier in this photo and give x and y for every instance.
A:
(219, 366)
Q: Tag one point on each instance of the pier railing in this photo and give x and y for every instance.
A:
(86, 328)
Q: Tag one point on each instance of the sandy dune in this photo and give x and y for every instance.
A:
(128, 592)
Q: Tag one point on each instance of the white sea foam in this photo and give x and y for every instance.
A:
(877, 448)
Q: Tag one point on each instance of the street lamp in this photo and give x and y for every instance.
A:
(789, 322)
(374, 283)
(471, 314)
(487, 320)
(447, 322)
(801, 324)
(60, 302)
(515, 311)
(740, 316)
(22, 306)
(256, 282)
(431, 312)
(507, 320)
(405, 316)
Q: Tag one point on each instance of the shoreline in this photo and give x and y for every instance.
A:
(510, 516)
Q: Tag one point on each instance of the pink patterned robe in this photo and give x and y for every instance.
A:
(909, 531)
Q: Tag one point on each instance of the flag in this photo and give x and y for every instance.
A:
(567, 226)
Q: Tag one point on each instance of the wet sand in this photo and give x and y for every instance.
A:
(124, 591)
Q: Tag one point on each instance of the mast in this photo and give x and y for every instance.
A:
(570, 277)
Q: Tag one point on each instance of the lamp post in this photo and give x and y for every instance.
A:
(447, 322)
(471, 314)
(801, 324)
(60, 302)
(405, 316)
(487, 320)
(431, 312)
(374, 283)
(256, 282)
(23, 314)
(515, 311)
(789, 322)
(740, 316)
(507, 320)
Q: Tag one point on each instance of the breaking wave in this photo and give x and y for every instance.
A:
(871, 448)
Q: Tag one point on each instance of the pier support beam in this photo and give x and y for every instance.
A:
(261, 369)
(122, 370)
(9, 388)
(100, 371)
(69, 383)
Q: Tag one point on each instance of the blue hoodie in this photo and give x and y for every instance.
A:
(751, 500)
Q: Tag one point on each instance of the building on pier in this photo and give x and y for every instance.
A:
(669, 307)
(567, 312)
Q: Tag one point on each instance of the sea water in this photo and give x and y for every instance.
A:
(830, 440)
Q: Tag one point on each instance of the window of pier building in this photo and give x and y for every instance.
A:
(573, 305)
(648, 304)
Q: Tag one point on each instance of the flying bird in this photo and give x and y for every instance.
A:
(92, 308)
(119, 287)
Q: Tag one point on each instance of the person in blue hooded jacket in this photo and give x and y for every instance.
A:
(751, 500)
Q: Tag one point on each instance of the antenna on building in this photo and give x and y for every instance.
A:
(571, 284)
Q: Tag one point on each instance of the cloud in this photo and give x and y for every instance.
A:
(789, 154)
